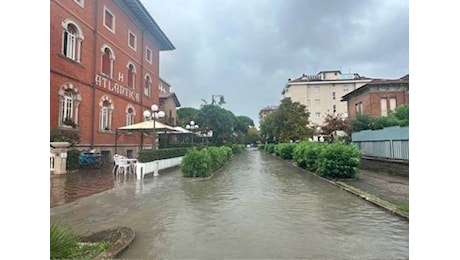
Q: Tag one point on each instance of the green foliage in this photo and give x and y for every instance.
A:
(291, 121)
(196, 164)
(339, 161)
(152, 155)
(64, 135)
(185, 115)
(285, 150)
(267, 131)
(70, 122)
(261, 146)
(243, 123)
(73, 159)
(398, 117)
(403, 207)
(307, 155)
(63, 242)
(252, 136)
(237, 148)
(219, 156)
(221, 121)
(270, 148)
(333, 123)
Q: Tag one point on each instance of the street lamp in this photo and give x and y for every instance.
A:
(192, 127)
(154, 115)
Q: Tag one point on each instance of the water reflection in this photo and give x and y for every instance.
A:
(255, 207)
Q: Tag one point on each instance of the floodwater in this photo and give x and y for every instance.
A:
(257, 206)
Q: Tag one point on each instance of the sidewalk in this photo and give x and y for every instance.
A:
(383, 189)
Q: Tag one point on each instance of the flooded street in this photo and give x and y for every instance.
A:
(257, 206)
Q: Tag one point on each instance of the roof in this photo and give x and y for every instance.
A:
(147, 125)
(373, 83)
(144, 17)
(170, 95)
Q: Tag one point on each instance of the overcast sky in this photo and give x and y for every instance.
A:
(246, 50)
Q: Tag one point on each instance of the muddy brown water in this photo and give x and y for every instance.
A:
(257, 206)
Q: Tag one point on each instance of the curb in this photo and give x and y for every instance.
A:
(356, 191)
(126, 236)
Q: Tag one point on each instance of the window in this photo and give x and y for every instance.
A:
(106, 106)
(318, 115)
(316, 89)
(131, 75)
(130, 115)
(345, 87)
(69, 100)
(81, 3)
(317, 103)
(392, 104)
(71, 40)
(148, 55)
(147, 85)
(107, 61)
(109, 20)
(359, 107)
(334, 109)
(333, 95)
(383, 107)
(132, 41)
(308, 102)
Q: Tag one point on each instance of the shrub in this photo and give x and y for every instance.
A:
(196, 163)
(73, 159)
(261, 146)
(237, 148)
(60, 135)
(307, 154)
(218, 156)
(285, 150)
(152, 155)
(63, 242)
(339, 161)
(270, 148)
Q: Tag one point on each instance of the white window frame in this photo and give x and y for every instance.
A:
(393, 104)
(333, 95)
(81, 3)
(383, 107)
(316, 89)
(345, 87)
(317, 102)
(129, 40)
(106, 10)
(318, 114)
(134, 75)
(130, 115)
(147, 57)
(112, 59)
(149, 88)
(72, 41)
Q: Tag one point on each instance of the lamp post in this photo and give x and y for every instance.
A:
(192, 127)
(154, 115)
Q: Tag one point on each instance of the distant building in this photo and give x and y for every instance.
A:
(168, 103)
(266, 111)
(321, 93)
(378, 97)
(104, 69)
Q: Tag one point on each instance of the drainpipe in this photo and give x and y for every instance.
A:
(94, 73)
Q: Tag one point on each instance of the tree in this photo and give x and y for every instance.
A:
(334, 123)
(291, 121)
(267, 133)
(252, 136)
(219, 120)
(185, 115)
(243, 123)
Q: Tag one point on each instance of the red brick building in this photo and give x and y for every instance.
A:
(378, 97)
(104, 69)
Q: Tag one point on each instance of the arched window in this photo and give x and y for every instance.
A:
(71, 40)
(131, 75)
(69, 101)
(147, 85)
(130, 115)
(107, 60)
(107, 107)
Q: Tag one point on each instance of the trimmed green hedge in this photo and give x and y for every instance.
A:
(285, 150)
(339, 161)
(73, 159)
(307, 155)
(152, 155)
(200, 163)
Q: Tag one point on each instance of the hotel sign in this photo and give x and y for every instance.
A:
(112, 86)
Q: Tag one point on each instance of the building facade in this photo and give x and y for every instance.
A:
(168, 103)
(104, 62)
(378, 97)
(321, 93)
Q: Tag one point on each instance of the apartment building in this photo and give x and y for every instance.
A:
(378, 97)
(321, 93)
(104, 62)
(265, 112)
